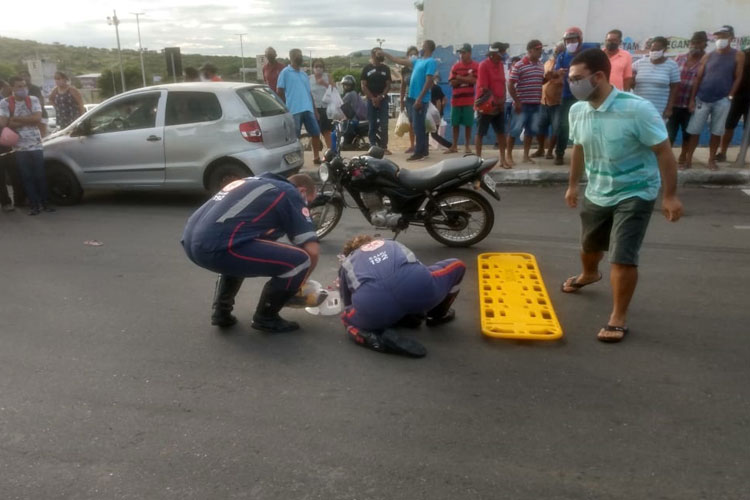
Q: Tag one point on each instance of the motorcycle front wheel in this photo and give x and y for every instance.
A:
(459, 218)
(325, 214)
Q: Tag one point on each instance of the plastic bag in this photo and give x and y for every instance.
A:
(312, 294)
(402, 124)
(326, 100)
(333, 109)
(432, 119)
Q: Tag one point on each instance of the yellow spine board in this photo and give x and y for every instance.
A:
(513, 301)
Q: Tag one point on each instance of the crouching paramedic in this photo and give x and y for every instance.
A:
(235, 233)
(384, 285)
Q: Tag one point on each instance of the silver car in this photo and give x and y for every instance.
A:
(180, 136)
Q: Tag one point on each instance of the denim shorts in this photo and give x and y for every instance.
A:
(306, 118)
(527, 119)
(618, 229)
(717, 111)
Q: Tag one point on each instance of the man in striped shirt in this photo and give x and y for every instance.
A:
(234, 234)
(463, 78)
(525, 87)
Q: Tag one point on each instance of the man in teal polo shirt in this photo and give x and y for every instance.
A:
(621, 140)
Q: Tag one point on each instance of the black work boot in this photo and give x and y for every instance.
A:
(412, 321)
(226, 290)
(442, 313)
(388, 340)
(266, 317)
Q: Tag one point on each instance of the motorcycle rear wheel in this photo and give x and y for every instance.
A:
(326, 215)
(470, 218)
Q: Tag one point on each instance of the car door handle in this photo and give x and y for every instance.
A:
(153, 138)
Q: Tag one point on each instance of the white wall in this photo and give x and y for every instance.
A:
(480, 22)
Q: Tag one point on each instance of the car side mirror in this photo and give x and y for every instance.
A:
(82, 129)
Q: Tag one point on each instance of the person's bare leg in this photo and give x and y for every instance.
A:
(501, 148)
(478, 144)
(327, 138)
(713, 146)
(509, 151)
(623, 279)
(589, 270)
(467, 139)
(726, 139)
(551, 147)
(411, 139)
(316, 146)
(540, 149)
(691, 150)
(454, 144)
(527, 148)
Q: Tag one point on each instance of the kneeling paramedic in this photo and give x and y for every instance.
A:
(384, 285)
(235, 233)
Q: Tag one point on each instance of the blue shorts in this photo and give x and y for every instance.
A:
(528, 120)
(306, 118)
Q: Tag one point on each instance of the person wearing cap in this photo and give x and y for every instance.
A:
(739, 109)
(573, 40)
(688, 65)
(463, 79)
(209, 73)
(551, 98)
(718, 81)
(272, 68)
(525, 86)
(621, 61)
(491, 86)
(621, 141)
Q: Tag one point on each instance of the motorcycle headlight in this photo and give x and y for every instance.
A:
(323, 172)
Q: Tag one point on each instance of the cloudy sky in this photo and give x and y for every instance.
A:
(199, 26)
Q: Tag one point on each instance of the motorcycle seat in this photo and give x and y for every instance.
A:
(426, 178)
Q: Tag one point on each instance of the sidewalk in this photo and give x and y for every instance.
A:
(544, 172)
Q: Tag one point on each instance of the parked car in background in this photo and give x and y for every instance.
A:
(51, 118)
(182, 136)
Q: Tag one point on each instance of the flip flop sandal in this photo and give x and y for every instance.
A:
(571, 283)
(610, 328)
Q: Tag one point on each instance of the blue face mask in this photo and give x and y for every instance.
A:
(421, 53)
(21, 94)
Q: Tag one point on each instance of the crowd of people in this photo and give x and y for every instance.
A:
(530, 97)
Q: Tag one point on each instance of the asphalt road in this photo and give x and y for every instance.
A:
(113, 385)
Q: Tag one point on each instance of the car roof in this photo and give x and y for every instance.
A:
(195, 86)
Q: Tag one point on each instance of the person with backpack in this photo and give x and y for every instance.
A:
(23, 113)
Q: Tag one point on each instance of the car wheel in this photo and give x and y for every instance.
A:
(63, 185)
(225, 173)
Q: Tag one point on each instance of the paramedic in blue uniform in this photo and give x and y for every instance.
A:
(234, 234)
(384, 285)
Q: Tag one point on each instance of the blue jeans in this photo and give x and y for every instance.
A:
(563, 126)
(549, 118)
(378, 119)
(417, 117)
(306, 118)
(30, 165)
(528, 120)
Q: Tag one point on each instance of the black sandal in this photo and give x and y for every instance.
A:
(611, 328)
(571, 283)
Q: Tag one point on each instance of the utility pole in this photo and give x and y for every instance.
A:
(113, 20)
(242, 55)
(140, 45)
(380, 41)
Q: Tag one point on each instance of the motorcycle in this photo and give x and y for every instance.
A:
(392, 198)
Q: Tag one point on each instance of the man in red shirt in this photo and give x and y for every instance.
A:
(209, 73)
(463, 77)
(491, 87)
(272, 68)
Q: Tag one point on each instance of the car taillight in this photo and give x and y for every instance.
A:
(251, 132)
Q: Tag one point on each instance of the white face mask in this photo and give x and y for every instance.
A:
(655, 55)
(582, 89)
(413, 57)
(722, 43)
(571, 47)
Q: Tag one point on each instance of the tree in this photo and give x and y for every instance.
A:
(109, 77)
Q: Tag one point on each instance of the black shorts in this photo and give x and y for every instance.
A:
(618, 229)
(484, 121)
(736, 111)
(323, 121)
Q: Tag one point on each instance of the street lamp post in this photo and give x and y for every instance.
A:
(140, 45)
(380, 41)
(242, 55)
(113, 20)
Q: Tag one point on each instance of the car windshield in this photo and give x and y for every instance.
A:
(262, 101)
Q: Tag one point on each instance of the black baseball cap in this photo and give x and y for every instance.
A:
(725, 29)
(499, 47)
(464, 48)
